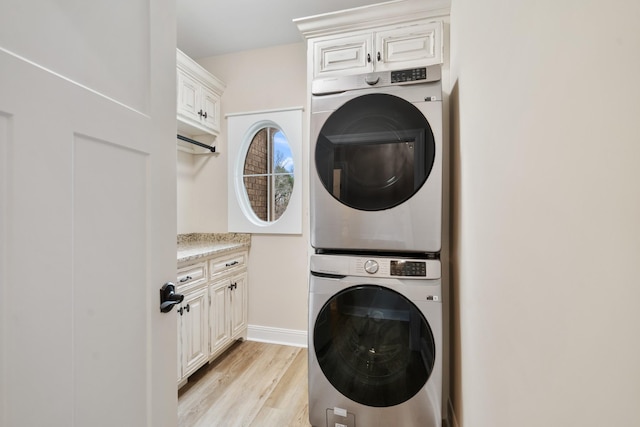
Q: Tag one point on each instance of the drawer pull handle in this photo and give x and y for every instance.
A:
(185, 279)
(231, 264)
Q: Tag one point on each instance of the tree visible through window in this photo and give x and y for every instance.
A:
(268, 174)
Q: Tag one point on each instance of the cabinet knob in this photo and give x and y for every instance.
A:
(378, 56)
(205, 115)
(187, 308)
(368, 57)
(200, 113)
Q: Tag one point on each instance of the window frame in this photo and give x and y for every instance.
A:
(242, 127)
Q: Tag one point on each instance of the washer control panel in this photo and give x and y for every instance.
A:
(376, 266)
(394, 267)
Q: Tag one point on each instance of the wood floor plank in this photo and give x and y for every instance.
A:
(252, 384)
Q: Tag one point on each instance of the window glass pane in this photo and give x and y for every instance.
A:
(283, 159)
(256, 187)
(283, 189)
(268, 174)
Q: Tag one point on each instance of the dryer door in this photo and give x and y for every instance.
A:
(374, 345)
(374, 152)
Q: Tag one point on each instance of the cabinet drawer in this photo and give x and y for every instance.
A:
(220, 265)
(192, 275)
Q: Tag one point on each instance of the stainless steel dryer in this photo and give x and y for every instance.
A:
(375, 342)
(376, 144)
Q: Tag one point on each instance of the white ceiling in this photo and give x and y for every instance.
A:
(214, 27)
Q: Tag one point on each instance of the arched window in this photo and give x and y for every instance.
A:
(264, 166)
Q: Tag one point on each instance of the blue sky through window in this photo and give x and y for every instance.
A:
(282, 152)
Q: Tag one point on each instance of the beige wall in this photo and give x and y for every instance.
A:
(546, 144)
(256, 80)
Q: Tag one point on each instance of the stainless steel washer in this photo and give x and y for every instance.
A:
(375, 341)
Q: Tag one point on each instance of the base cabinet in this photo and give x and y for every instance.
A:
(213, 313)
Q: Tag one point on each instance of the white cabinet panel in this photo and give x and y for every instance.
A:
(409, 46)
(195, 345)
(238, 301)
(219, 315)
(348, 53)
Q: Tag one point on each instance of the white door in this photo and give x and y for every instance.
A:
(87, 213)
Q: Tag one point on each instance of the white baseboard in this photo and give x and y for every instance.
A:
(277, 335)
(453, 421)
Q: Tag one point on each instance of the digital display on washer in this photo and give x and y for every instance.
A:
(408, 268)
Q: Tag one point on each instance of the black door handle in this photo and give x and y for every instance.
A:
(168, 297)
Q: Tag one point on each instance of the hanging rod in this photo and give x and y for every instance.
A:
(199, 144)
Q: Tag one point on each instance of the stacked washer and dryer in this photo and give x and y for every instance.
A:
(375, 296)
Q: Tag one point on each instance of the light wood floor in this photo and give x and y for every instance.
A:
(251, 384)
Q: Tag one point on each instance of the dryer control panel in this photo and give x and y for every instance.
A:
(411, 75)
(408, 268)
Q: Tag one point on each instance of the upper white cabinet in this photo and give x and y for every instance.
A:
(199, 93)
(385, 36)
(404, 45)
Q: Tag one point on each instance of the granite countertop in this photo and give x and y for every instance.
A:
(199, 245)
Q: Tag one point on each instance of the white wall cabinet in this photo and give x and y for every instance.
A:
(406, 45)
(213, 313)
(198, 102)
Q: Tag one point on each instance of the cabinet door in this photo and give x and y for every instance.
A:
(195, 349)
(238, 305)
(189, 102)
(219, 315)
(180, 335)
(211, 109)
(409, 46)
(343, 56)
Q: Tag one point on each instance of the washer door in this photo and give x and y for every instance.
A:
(374, 345)
(374, 152)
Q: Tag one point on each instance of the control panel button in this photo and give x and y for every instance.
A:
(371, 266)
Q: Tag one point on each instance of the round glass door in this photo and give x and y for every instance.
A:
(375, 152)
(374, 345)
